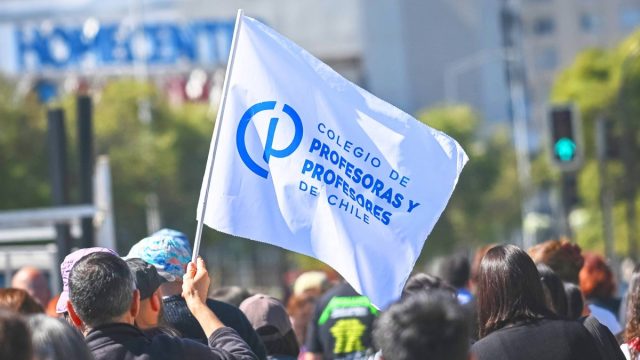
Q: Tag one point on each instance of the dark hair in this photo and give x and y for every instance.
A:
(15, 340)
(19, 301)
(100, 288)
(422, 282)
(632, 329)
(553, 289)
(455, 270)
(575, 303)
(509, 289)
(477, 258)
(55, 339)
(281, 345)
(423, 326)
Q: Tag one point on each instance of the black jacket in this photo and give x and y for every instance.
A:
(126, 342)
(178, 316)
(607, 343)
(543, 339)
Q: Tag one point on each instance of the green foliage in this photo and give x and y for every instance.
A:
(166, 156)
(485, 207)
(602, 83)
(24, 172)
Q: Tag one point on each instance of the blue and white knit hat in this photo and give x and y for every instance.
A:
(168, 250)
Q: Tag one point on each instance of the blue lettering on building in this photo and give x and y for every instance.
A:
(115, 45)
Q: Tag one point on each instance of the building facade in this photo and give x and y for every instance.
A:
(555, 31)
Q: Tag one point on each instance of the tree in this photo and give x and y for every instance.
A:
(24, 172)
(485, 206)
(166, 156)
(594, 82)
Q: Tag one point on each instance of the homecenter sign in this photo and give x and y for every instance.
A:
(114, 47)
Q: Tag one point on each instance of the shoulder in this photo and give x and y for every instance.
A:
(489, 347)
(230, 315)
(216, 305)
(341, 290)
(235, 319)
(167, 342)
(544, 329)
(527, 339)
(572, 328)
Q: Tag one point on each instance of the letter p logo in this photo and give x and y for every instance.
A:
(269, 151)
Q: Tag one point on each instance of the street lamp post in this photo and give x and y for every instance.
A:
(511, 27)
(460, 66)
(518, 103)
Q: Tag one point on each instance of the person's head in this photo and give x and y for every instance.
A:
(271, 322)
(102, 291)
(168, 250)
(65, 269)
(632, 328)
(15, 339)
(562, 256)
(575, 302)
(233, 295)
(509, 289)
(314, 283)
(422, 282)
(596, 278)
(300, 308)
(553, 288)
(34, 282)
(148, 282)
(455, 270)
(19, 301)
(55, 339)
(423, 326)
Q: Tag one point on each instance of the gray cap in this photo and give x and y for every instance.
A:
(263, 310)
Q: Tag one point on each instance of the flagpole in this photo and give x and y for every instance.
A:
(216, 134)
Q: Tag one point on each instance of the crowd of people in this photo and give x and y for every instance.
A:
(550, 302)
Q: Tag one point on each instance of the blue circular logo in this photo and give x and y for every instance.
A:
(269, 151)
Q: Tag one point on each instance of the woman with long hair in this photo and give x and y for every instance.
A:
(514, 320)
(55, 339)
(631, 346)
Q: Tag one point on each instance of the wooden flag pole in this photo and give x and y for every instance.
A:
(216, 135)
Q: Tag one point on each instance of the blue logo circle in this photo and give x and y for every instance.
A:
(269, 151)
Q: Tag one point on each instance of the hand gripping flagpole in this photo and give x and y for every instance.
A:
(216, 134)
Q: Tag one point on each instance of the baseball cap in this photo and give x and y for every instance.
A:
(146, 277)
(263, 310)
(65, 269)
(168, 250)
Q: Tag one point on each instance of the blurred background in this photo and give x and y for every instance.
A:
(107, 110)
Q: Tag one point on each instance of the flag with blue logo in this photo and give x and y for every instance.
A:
(310, 162)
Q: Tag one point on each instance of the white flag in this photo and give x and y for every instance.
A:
(312, 163)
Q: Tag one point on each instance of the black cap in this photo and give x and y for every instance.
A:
(146, 277)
